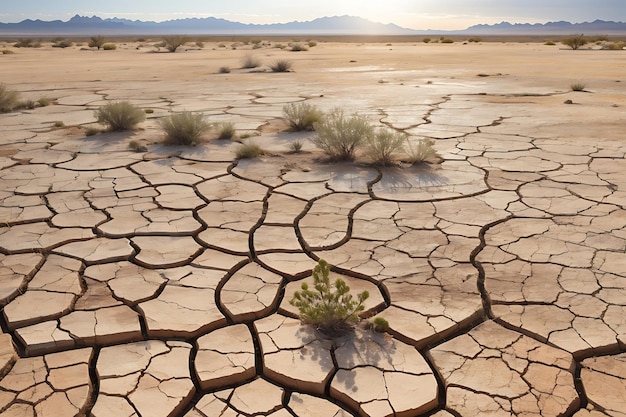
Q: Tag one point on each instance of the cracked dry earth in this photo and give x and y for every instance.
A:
(156, 283)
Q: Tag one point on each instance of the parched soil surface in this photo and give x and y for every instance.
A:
(139, 279)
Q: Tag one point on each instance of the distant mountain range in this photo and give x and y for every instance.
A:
(336, 25)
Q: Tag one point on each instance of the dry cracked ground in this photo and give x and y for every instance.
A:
(156, 282)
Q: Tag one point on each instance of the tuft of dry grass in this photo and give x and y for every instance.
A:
(302, 116)
(120, 116)
(185, 128)
(249, 150)
(9, 99)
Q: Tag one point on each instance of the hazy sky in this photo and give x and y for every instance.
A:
(416, 14)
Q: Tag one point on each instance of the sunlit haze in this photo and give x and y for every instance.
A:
(421, 14)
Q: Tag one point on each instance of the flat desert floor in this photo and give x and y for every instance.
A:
(152, 280)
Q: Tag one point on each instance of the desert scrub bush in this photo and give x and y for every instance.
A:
(281, 65)
(447, 40)
(62, 43)
(119, 116)
(379, 324)
(339, 136)
(613, 46)
(249, 150)
(185, 128)
(296, 146)
(27, 43)
(302, 116)
(109, 47)
(329, 307)
(200, 44)
(577, 86)
(312, 44)
(250, 61)
(550, 43)
(59, 123)
(172, 43)
(92, 131)
(44, 101)
(422, 151)
(224, 70)
(9, 99)
(381, 146)
(426, 40)
(296, 47)
(225, 130)
(7, 52)
(96, 42)
(575, 41)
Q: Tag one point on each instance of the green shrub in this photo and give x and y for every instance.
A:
(426, 40)
(172, 43)
(225, 130)
(423, 151)
(9, 99)
(281, 65)
(184, 128)
(96, 42)
(550, 43)
(381, 146)
(302, 115)
(332, 310)
(59, 123)
(250, 61)
(447, 40)
(120, 115)
(577, 86)
(109, 47)
(224, 70)
(575, 41)
(339, 136)
(380, 324)
(249, 150)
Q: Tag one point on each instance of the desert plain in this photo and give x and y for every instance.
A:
(154, 280)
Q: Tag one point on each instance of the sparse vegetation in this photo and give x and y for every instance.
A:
(296, 47)
(474, 39)
(296, 146)
(249, 150)
(339, 135)
(9, 99)
(59, 124)
(119, 116)
(250, 61)
(185, 128)
(447, 40)
(550, 43)
(96, 42)
(27, 43)
(225, 130)
(422, 151)
(331, 308)
(61, 43)
(200, 44)
(172, 43)
(577, 86)
(224, 70)
(575, 41)
(426, 40)
(44, 101)
(381, 146)
(91, 131)
(7, 52)
(302, 115)
(281, 65)
(613, 46)
(109, 47)
(312, 44)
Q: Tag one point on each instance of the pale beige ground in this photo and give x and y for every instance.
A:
(156, 283)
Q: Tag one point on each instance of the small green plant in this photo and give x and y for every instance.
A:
(296, 146)
(339, 136)
(426, 40)
(92, 131)
(550, 43)
(577, 86)
(119, 116)
(172, 43)
(185, 128)
(59, 124)
(423, 151)
(96, 42)
(250, 61)
(381, 146)
(380, 324)
(302, 116)
(575, 42)
(225, 130)
(9, 99)
(249, 150)
(281, 65)
(109, 47)
(331, 308)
